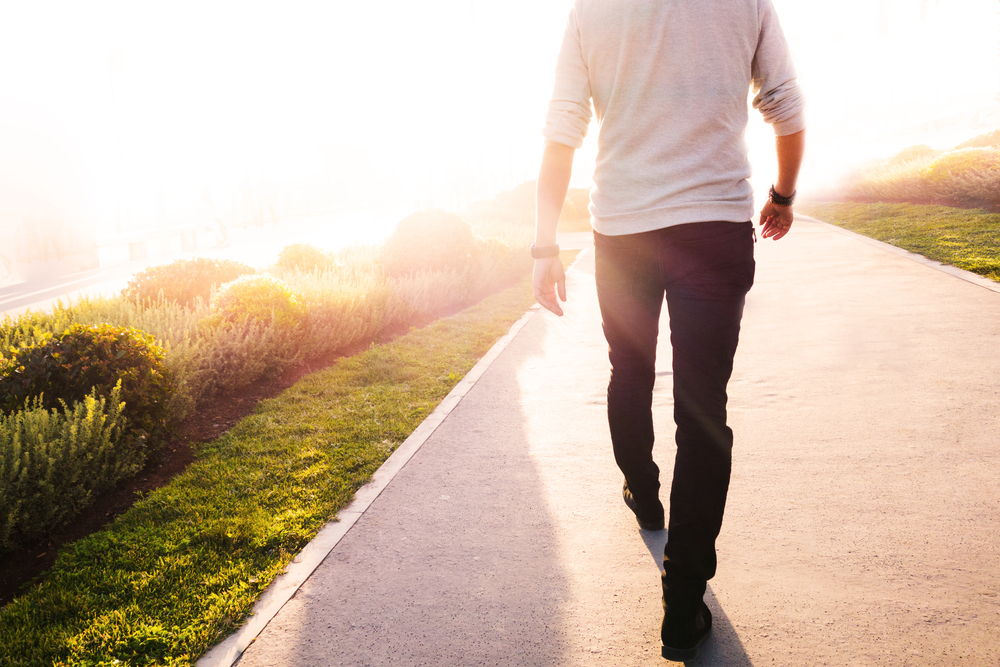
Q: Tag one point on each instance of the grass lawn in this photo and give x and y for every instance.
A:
(966, 238)
(182, 568)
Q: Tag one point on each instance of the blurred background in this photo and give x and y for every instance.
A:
(123, 120)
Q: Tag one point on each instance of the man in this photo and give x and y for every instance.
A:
(671, 208)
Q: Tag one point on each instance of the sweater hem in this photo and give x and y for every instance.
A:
(637, 222)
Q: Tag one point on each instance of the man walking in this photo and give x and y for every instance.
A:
(671, 209)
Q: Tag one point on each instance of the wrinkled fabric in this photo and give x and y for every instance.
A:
(669, 82)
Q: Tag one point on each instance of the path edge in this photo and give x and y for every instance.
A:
(285, 585)
(954, 271)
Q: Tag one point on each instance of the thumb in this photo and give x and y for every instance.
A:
(561, 286)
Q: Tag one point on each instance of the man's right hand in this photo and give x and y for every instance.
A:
(549, 280)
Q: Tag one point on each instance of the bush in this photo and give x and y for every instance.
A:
(184, 281)
(569, 211)
(432, 240)
(988, 140)
(580, 199)
(53, 463)
(497, 266)
(304, 257)
(890, 182)
(913, 153)
(516, 206)
(960, 163)
(260, 299)
(67, 367)
(970, 176)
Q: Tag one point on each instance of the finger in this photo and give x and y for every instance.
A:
(561, 285)
(780, 229)
(548, 301)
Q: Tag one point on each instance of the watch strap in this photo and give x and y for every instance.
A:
(544, 251)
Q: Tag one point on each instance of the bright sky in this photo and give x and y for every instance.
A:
(439, 100)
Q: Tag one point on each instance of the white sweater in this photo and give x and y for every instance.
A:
(669, 81)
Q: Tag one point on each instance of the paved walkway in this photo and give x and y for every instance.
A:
(863, 523)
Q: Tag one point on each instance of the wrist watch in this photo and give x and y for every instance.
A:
(544, 251)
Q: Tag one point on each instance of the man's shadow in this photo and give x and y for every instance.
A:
(723, 647)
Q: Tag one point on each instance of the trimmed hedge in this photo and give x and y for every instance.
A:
(54, 462)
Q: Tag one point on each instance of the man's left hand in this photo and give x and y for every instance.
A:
(775, 220)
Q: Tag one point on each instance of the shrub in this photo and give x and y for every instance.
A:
(304, 257)
(891, 182)
(913, 153)
(515, 206)
(970, 176)
(569, 211)
(260, 299)
(432, 240)
(68, 366)
(960, 163)
(497, 266)
(54, 462)
(581, 201)
(988, 140)
(425, 295)
(184, 281)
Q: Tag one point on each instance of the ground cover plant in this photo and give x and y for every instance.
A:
(966, 238)
(183, 567)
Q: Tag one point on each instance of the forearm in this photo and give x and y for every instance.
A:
(790, 149)
(553, 184)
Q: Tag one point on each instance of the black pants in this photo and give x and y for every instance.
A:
(705, 269)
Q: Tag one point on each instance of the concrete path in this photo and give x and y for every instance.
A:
(863, 524)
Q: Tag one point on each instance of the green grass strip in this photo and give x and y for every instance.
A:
(966, 238)
(181, 570)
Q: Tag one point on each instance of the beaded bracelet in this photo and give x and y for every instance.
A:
(778, 200)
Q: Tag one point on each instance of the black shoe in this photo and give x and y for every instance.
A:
(644, 522)
(682, 640)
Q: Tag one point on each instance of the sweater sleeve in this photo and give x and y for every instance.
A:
(777, 94)
(569, 109)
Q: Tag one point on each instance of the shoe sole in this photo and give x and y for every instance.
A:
(643, 525)
(686, 654)
(683, 654)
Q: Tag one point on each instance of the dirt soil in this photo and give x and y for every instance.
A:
(217, 416)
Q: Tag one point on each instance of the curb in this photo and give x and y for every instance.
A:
(962, 274)
(285, 585)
